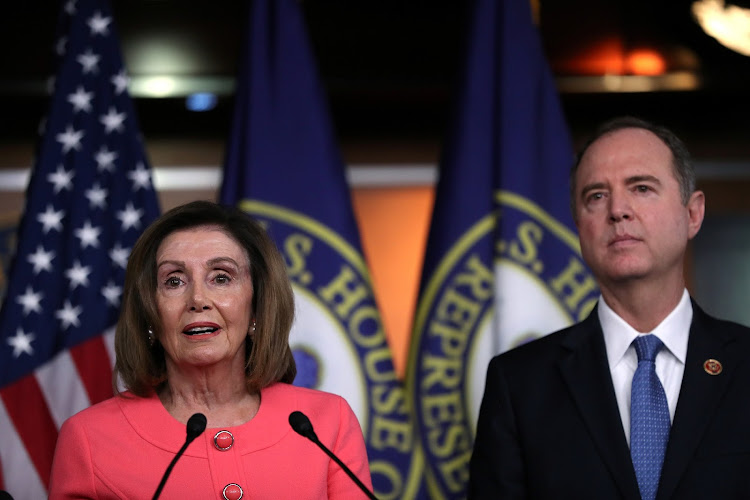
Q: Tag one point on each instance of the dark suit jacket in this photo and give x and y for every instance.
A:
(549, 425)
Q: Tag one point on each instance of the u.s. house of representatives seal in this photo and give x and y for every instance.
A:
(500, 285)
(339, 343)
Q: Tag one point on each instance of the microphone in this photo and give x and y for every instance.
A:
(196, 424)
(302, 426)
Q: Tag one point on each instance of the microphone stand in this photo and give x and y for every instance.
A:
(196, 424)
(302, 426)
(346, 469)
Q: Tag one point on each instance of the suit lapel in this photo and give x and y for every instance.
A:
(700, 394)
(586, 372)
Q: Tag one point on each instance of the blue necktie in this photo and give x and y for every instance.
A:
(649, 418)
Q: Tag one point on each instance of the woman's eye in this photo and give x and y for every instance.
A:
(222, 279)
(173, 282)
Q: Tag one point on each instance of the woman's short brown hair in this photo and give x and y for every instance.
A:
(142, 367)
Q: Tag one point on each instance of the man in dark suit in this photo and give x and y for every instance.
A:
(585, 412)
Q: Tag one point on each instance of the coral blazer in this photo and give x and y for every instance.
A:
(121, 447)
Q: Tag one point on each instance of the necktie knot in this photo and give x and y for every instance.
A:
(647, 347)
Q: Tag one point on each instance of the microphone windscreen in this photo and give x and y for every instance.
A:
(302, 425)
(196, 424)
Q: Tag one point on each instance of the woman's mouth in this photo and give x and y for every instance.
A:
(200, 330)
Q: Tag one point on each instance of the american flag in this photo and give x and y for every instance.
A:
(89, 197)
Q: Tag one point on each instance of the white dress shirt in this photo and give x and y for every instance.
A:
(623, 360)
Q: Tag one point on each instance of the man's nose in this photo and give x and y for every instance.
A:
(619, 207)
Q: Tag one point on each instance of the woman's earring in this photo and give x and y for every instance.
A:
(151, 337)
(252, 327)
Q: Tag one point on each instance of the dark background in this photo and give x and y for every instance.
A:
(391, 68)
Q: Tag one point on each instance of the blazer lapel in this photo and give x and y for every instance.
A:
(586, 371)
(699, 396)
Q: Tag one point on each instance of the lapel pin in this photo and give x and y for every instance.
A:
(712, 367)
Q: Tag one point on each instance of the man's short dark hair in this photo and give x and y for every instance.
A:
(681, 161)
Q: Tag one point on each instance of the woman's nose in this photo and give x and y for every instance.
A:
(198, 300)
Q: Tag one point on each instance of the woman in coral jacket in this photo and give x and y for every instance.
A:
(206, 314)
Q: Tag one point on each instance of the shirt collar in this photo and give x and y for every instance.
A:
(673, 331)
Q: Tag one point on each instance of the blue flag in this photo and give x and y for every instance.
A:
(502, 264)
(89, 197)
(283, 168)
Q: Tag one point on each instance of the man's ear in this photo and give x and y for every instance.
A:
(696, 208)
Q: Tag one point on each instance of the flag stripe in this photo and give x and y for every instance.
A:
(94, 368)
(109, 344)
(63, 389)
(36, 428)
(19, 473)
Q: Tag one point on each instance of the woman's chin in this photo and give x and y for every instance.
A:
(203, 358)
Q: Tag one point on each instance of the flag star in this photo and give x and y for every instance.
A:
(89, 62)
(30, 301)
(141, 177)
(99, 25)
(78, 275)
(97, 197)
(112, 293)
(81, 100)
(119, 255)
(70, 139)
(68, 315)
(51, 219)
(70, 7)
(89, 235)
(112, 120)
(60, 45)
(41, 260)
(21, 343)
(120, 81)
(130, 217)
(62, 179)
(105, 159)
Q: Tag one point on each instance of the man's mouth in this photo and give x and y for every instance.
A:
(623, 239)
